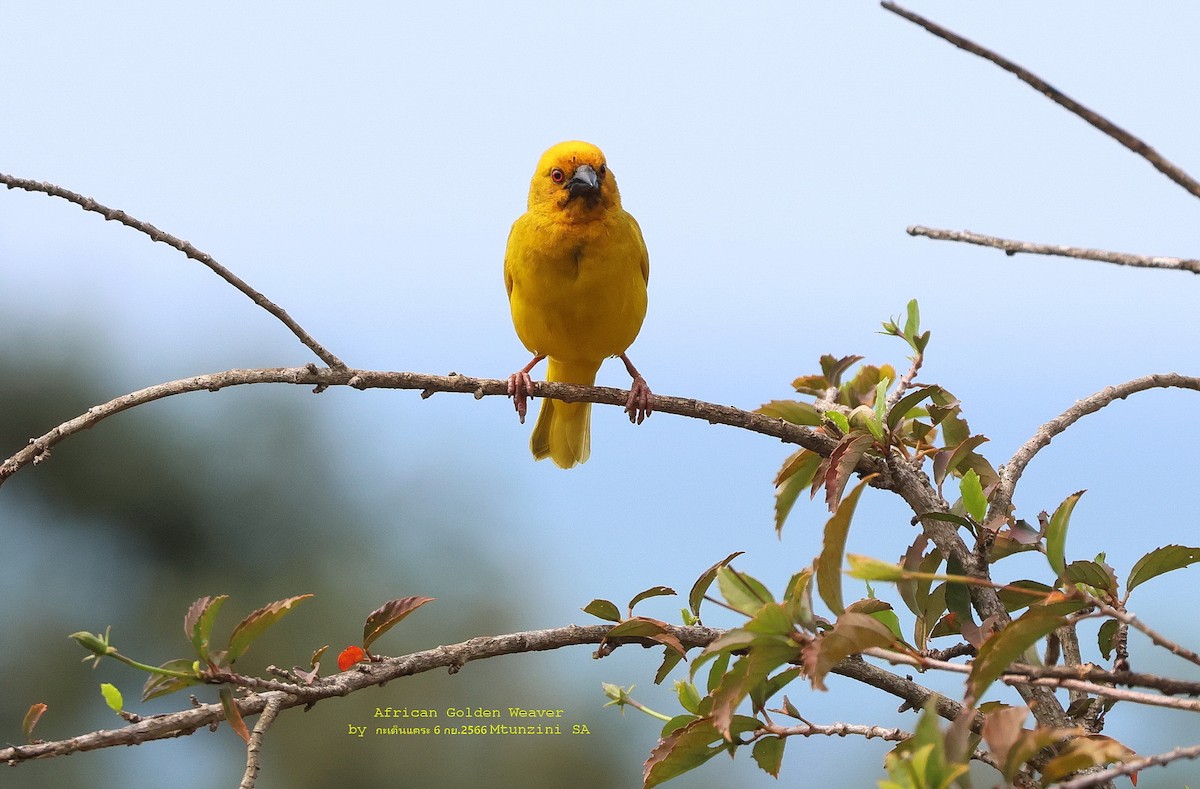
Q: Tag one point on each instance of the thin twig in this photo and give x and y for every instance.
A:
(1133, 143)
(254, 746)
(1011, 471)
(1017, 675)
(112, 214)
(38, 448)
(1130, 767)
(1159, 639)
(1012, 247)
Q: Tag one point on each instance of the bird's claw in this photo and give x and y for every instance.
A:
(520, 389)
(641, 401)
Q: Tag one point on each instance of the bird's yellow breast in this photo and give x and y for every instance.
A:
(577, 286)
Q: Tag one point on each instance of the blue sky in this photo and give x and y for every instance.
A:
(361, 167)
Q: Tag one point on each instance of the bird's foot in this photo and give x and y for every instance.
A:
(520, 389)
(641, 401)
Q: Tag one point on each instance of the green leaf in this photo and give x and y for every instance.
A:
(1056, 533)
(161, 685)
(797, 473)
(752, 669)
(671, 659)
(684, 750)
(768, 755)
(32, 716)
(112, 697)
(1106, 639)
(1096, 575)
(654, 591)
(197, 624)
(839, 420)
(798, 597)
(603, 609)
(868, 569)
(881, 402)
(1159, 561)
(793, 411)
(379, 621)
(1001, 649)
(829, 563)
(700, 588)
(689, 697)
(972, 495)
(906, 404)
(742, 592)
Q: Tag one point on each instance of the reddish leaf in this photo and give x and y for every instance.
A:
(842, 462)
(197, 624)
(32, 716)
(700, 588)
(350, 656)
(850, 635)
(1083, 752)
(233, 715)
(644, 627)
(382, 619)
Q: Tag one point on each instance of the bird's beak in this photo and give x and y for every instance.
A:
(583, 181)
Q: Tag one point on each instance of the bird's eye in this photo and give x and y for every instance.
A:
(603, 169)
(556, 175)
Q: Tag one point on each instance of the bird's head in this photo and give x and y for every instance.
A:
(572, 181)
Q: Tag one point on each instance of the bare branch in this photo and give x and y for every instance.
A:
(1010, 472)
(1018, 675)
(112, 214)
(839, 730)
(1012, 247)
(38, 448)
(1130, 767)
(454, 657)
(1127, 618)
(254, 747)
(1133, 143)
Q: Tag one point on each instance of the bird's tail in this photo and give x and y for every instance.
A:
(563, 431)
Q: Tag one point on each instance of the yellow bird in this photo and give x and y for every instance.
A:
(576, 269)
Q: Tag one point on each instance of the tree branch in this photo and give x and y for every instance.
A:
(114, 215)
(1010, 472)
(452, 657)
(39, 448)
(1133, 143)
(254, 746)
(1012, 247)
(1129, 768)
